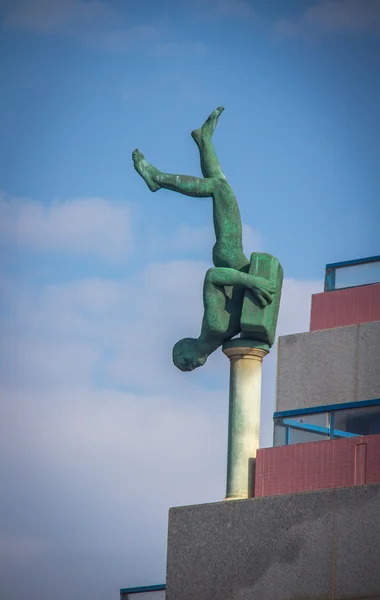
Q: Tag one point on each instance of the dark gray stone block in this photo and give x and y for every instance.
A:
(199, 559)
(275, 548)
(308, 546)
(369, 361)
(317, 368)
(284, 547)
(357, 542)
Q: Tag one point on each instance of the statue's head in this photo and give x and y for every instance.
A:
(186, 355)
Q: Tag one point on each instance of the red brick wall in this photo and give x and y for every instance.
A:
(350, 306)
(317, 465)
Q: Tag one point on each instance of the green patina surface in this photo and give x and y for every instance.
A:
(256, 322)
(236, 293)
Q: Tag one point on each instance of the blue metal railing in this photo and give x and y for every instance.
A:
(327, 408)
(310, 428)
(146, 588)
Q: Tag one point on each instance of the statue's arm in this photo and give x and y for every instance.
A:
(223, 276)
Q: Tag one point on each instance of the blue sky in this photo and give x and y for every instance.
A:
(99, 277)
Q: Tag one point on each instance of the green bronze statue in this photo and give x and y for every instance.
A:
(226, 285)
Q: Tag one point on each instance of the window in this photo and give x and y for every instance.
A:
(352, 273)
(299, 429)
(333, 422)
(357, 275)
(358, 421)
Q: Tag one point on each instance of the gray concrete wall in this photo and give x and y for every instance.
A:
(328, 367)
(312, 546)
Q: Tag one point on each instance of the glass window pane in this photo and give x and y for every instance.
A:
(297, 436)
(357, 275)
(309, 428)
(359, 421)
(317, 419)
(279, 433)
(306, 428)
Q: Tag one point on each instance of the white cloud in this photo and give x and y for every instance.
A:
(93, 475)
(182, 88)
(234, 8)
(294, 316)
(252, 240)
(224, 9)
(57, 15)
(333, 16)
(284, 28)
(194, 240)
(93, 471)
(191, 239)
(120, 39)
(16, 547)
(101, 434)
(95, 22)
(86, 226)
(116, 330)
(350, 15)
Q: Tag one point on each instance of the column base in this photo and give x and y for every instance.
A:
(245, 344)
(228, 498)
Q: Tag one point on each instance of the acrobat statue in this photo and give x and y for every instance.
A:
(225, 285)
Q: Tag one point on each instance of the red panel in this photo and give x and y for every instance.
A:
(350, 306)
(318, 465)
(360, 463)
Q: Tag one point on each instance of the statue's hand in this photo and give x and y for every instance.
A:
(264, 291)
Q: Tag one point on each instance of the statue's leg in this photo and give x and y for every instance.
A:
(184, 184)
(228, 249)
(203, 137)
(222, 310)
(216, 319)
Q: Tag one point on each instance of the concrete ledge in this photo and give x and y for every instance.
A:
(333, 366)
(308, 546)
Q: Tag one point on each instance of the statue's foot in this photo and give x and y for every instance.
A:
(208, 126)
(146, 170)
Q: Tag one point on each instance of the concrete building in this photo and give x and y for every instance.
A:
(312, 531)
(328, 390)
